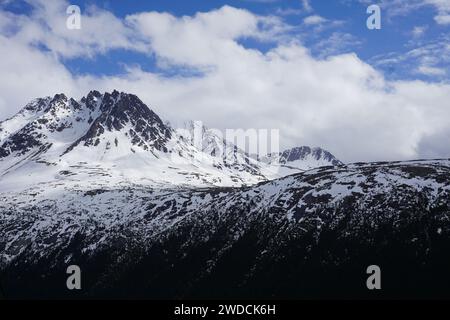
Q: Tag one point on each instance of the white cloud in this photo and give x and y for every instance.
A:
(442, 19)
(403, 7)
(288, 11)
(419, 31)
(336, 43)
(430, 58)
(340, 102)
(101, 31)
(443, 7)
(28, 73)
(206, 38)
(314, 19)
(431, 71)
(306, 5)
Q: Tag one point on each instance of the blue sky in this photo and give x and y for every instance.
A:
(309, 68)
(395, 38)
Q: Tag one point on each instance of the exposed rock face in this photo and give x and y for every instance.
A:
(117, 111)
(303, 153)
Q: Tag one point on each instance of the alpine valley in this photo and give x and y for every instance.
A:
(145, 212)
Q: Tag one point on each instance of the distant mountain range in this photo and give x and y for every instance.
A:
(116, 133)
(147, 212)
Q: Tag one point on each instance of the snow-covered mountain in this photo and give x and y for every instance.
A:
(312, 234)
(215, 145)
(306, 158)
(152, 212)
(117, 138)
(297, 159)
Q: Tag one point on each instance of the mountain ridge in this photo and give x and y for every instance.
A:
(147, 213)
(276, 239)
(118, 131)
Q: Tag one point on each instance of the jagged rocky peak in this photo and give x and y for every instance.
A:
(90, 101)
(213, 142)
(305, 152)
(121, 107)
(117, 129)
(126, 113)
(203, 138)
(302, 158)
(112, 106)
(36, 105)
(61, 104)
(97, 119)
(32, 110)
